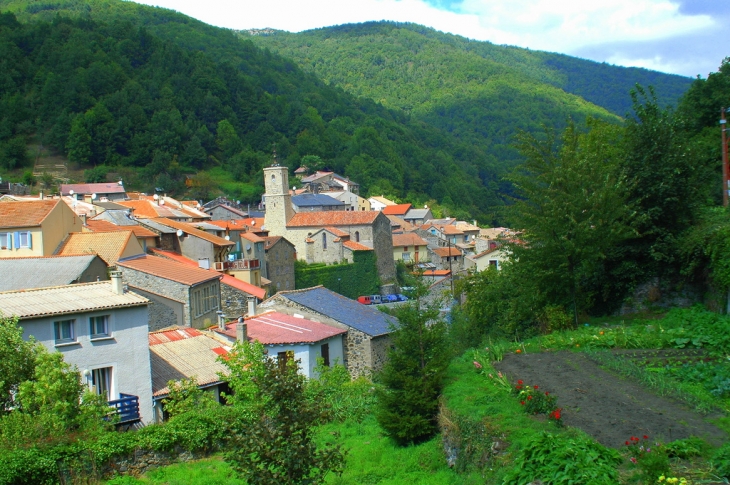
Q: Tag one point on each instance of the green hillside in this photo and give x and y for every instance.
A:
(478, 91)
(127, 87)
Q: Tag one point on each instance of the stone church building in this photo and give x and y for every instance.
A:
(329, 236)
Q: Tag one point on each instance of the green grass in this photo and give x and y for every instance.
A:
(210, 471)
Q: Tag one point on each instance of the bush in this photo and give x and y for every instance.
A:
(721, 461)
(557, 459)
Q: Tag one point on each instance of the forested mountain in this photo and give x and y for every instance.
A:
(156, 95)
(479, 91)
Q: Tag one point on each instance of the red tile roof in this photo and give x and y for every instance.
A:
(226, 279)
(239, 224)
(444, 252)
(170, 270)
(408, 239)
(274, 328)
(98, 225)
(249, 236)
(193, 231)
(396, 210)
(142, 208)
(332, 218)
(28, 213)
(451, 229)
(356, 246)
(437, 272)
(337, 232)
(109, 246)
(165, 336)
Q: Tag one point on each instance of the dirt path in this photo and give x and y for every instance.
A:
(608, 407)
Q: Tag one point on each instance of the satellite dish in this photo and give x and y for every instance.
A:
(228, 238)
(294, 188)
(120, 183)
(253, 223)
(162, 202)
(238, 202)
(180, 233)
(248, 247)
(425, 206)
(71, 192)
(93, 196)
(155, 196)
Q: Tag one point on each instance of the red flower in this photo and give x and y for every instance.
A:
(646, 437)
(518, 387)
(547, 393)
(520, 382)
(627, 443)
(536, 387)
(529, 398)
(522, 402)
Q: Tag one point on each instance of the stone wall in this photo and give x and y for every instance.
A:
(144, 461)
(280, 265)
(160, 286)
(233, 301)
(163, 312)
(379, 347)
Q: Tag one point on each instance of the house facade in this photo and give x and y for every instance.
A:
(98, 327)
(280, 257)
(35, 227)
(410, 248)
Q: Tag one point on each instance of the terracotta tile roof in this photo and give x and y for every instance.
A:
(356, 246)
(142, 208)
(465, 226)
(98, 225)
(63, 300)
(270, 241)
(332, 218)
(28, 213)
(249, 236)
(169, 270)
(239, 224)
(274, 328)
(226, 279)
(190, 229)
(181, 353)
(396, 210)
(444, 252)
(451, 230)
(402, 223)
(108, 245)
(102, 188)
(408, 239)
(437, 272)
(337, 232)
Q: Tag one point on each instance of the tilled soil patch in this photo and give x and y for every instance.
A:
(608, 407)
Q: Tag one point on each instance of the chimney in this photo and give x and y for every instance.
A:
(92, 212)
(117, 282)
(83, 219)
(251, 306)
(241, 330)
(221, 320)
(40, 195)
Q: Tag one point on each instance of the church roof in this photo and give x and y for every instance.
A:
(332, 218)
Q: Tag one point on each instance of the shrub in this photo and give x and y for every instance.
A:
(721, 461)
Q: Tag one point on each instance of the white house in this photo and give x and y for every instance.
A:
(98, 327)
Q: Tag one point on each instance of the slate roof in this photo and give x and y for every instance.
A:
(184, 352)
(316, 200)
(417, 213)
(169, 270)
(408, 239)
(27, 213)
(108, 245)
(332, 218)
(397, 209)
(39, 272)
(62, 300)
(274, 328)
(365, 318)
(100, 188)
(161, 228)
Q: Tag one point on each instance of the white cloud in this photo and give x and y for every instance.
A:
(552, 25)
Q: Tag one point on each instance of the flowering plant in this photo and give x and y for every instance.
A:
(673, 480)
(651, 459)
(536, 401)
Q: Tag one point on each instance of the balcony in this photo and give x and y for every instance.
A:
(237, 265)
(126, 407)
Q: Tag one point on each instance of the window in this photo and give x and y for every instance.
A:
(493, 262)
(405, 249)
(205, 300)
(406, 256)
(324, 240)
(283, 357)
(357, 236)
(326, 354)
(99, 326)
(64, 330)
(23, 240)
(101, 381)
(5, 241)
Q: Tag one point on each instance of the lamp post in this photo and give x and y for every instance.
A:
(725, 165)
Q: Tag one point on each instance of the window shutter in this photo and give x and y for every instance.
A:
(30, 240)
(16, 237)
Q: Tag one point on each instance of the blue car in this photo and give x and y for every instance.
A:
(400, 297)
(390, 298)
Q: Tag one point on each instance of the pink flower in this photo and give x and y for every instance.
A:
(633, 460)
(477, 365)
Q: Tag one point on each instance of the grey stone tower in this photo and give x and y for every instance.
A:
(278, 200)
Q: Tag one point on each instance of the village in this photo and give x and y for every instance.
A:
(139, 290)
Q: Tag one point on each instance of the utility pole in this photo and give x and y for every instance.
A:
(725, 165)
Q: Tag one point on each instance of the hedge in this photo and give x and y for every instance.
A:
(350, 280)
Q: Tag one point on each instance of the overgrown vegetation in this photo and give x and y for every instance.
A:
(350, 280)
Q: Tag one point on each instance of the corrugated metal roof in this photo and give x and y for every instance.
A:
(274, 328)
(353, 314)
(169, 270)
(182, 353)
(60, 300)
(193, 231)
(26, 213)
(28, 273)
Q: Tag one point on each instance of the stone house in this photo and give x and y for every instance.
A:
(447, 258)
(317, 203)
(418, 216)
(290, 337)
(367, 340)
(99, 327)
(352, 201)
(367, 228)
(160, 206)
(280, 257)
(35, 227)
(322, 181)
(182, 295)
(330, 245)
(221, 211)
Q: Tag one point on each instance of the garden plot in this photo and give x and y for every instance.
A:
(609, 408)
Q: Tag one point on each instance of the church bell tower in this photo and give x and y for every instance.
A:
(277, 198)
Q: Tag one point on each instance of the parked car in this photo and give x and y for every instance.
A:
(389, 298)
(401, 297)
(375, 299)
(365, 300)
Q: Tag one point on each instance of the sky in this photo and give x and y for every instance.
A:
(686, 37)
